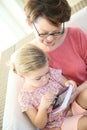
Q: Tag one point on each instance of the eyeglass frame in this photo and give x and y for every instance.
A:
(53, 34)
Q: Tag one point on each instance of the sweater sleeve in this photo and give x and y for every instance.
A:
(83, 45)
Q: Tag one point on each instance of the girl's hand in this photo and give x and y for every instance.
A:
(46, 100)
(73, 83)
(75, 90)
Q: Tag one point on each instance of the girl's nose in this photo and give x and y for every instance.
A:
(45, 78)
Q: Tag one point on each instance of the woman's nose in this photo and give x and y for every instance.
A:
(50, 37)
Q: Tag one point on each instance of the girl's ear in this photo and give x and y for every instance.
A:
(22, 76)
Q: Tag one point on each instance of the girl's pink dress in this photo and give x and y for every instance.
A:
(32, 98)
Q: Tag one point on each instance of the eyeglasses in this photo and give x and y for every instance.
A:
(53, 34)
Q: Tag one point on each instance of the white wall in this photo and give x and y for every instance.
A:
(13, 26)
(73, 2)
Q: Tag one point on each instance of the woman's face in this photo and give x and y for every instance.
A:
(46, 33)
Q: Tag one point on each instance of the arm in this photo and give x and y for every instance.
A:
(63, 80)
(39, 117)
(66, 82)
(82, 87)
(75, 91)
(78, 90)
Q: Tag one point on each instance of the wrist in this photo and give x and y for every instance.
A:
(42, 108)
(70, 82)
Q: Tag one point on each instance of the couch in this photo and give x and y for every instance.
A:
(13, 119)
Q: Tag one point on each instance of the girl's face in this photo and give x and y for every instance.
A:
(39, 77)
(46, 33)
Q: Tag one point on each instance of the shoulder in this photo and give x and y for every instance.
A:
(24, 94)
(24, 99)
(76, 31)
(53, 70)
(76, 36)
(55, 74)
(78, 40)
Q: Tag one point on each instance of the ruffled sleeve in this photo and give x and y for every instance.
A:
(25, 100)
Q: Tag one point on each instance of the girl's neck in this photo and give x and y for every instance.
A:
(28, 87)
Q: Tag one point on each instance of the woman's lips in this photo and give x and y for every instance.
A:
(49, 43)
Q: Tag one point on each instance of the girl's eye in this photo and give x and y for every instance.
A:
(38, 78)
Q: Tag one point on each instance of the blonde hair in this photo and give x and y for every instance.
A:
(28, 58)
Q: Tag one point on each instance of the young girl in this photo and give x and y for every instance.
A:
(41, 85)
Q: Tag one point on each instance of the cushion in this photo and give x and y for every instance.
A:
(79, 19)
(13, 118)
